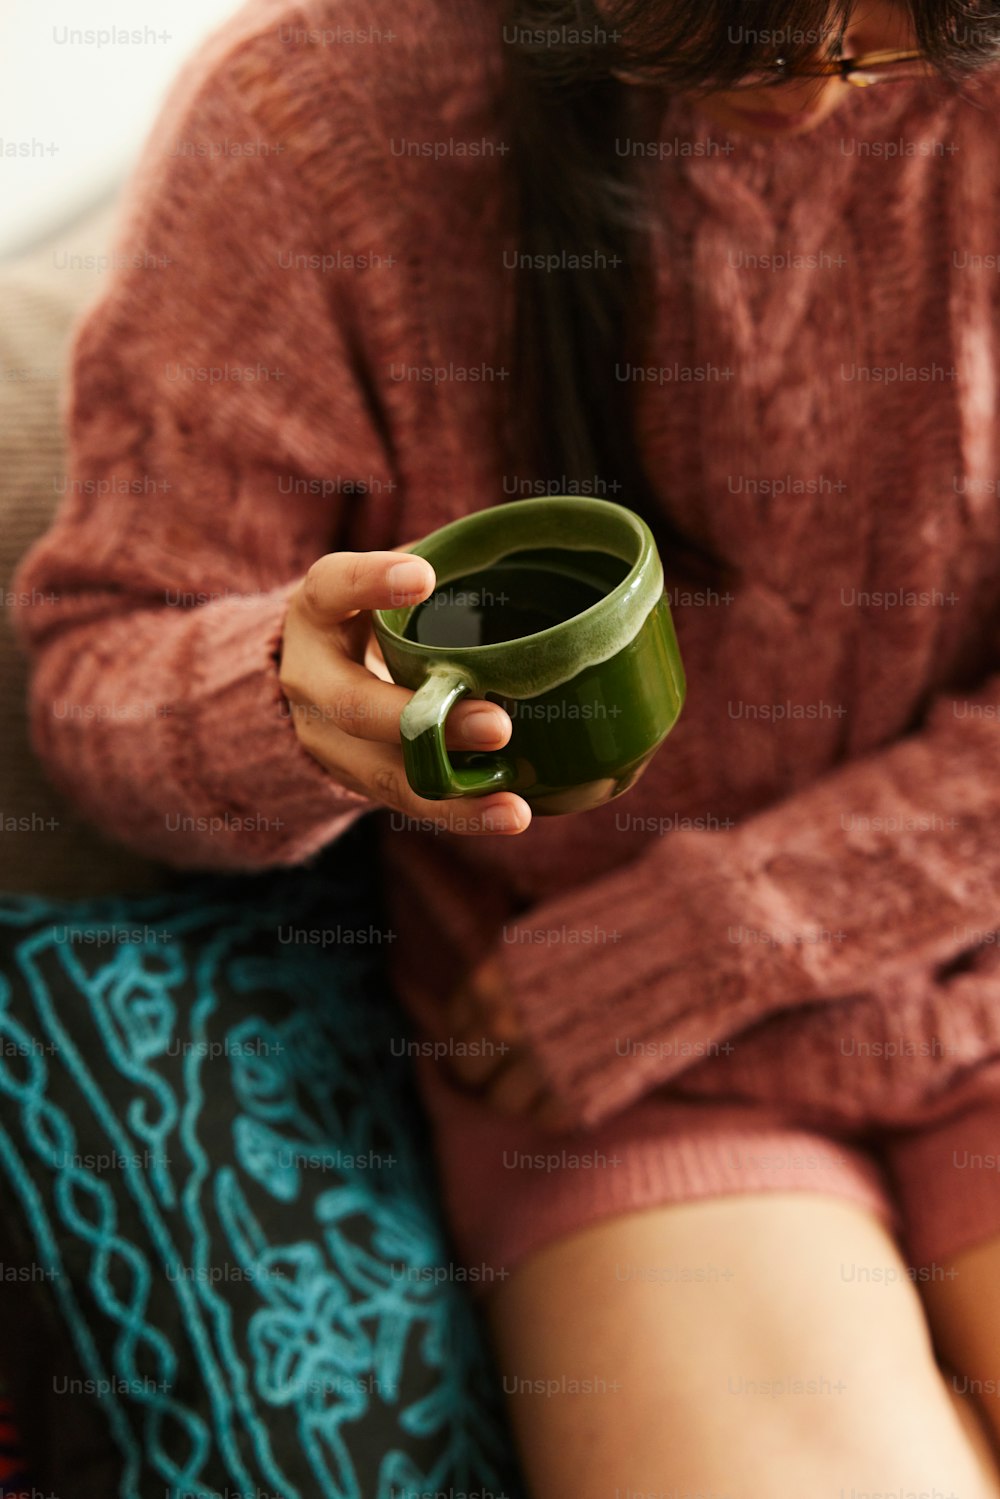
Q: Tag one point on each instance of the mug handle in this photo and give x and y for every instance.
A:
(428, 768)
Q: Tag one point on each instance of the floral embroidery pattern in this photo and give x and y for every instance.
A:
(224, 1171)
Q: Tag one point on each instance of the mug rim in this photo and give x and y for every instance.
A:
(586, 502)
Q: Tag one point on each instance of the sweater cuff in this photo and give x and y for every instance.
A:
(288, 805)
(622, 984)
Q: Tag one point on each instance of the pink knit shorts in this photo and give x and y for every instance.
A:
(510, 1188)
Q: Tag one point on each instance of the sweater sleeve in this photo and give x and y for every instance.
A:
(208, 387)
(888, 865)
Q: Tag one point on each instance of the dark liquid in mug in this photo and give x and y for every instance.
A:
(520, 595)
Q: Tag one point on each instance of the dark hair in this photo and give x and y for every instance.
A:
(566, 414)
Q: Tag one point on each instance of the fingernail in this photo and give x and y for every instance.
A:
(481, 727)
(503, 819)
(408, 577)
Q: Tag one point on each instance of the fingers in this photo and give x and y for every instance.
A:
(378, 769)
(476, 1068)
(482, 1003)
(505, 1074)
(510, 1080)
(554, 1116)
(352, 697)
(358, 703)
(348, 718)
(339, 584)
(517, 1088)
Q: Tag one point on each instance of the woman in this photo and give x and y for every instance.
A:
(722, 1056)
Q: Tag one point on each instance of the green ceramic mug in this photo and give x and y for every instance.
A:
(591, 697)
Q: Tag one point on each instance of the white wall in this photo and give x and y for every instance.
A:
(76, 111)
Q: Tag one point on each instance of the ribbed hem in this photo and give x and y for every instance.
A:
(661, 1173)
(947, 1181)
(624, 983)
(511, 1189)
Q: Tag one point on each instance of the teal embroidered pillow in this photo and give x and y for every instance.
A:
(219, 1230)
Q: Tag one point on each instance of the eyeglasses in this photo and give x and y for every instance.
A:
(862, 72)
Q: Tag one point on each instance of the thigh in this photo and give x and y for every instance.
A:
(963, 1307)
(729, 1346)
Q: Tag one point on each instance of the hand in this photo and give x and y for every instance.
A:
(345, 707)
(500, 1067)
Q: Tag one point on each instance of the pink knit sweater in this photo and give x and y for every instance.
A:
(319, 228)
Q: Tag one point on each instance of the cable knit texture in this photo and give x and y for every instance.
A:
(316, 222)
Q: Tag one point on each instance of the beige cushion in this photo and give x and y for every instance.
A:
(47, 849)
